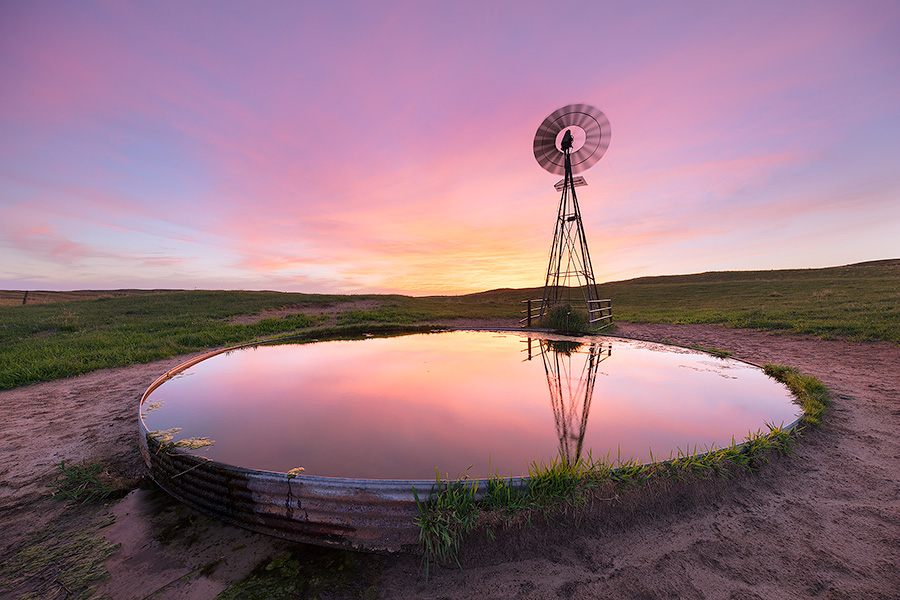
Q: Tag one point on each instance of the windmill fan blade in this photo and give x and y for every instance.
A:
(581, 119)
(584, 116)
(545, 150)
(560, 112)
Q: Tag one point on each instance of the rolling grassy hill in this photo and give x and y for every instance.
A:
(58, 334)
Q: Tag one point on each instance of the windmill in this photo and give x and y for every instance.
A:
(571, 139)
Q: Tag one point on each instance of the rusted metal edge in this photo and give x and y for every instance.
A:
(358, 514)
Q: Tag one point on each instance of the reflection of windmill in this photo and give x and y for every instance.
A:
(571, 370)
(573, 137)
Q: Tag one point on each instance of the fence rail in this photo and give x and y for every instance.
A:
(599, 311)
(530, 312)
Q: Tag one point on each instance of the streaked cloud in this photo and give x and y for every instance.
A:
(351, 147)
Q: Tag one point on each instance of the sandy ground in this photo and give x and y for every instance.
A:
(307, 308)
(822, 523)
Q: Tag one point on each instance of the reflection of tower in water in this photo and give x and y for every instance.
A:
(571, 369)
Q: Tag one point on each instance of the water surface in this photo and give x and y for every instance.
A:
(397, 408)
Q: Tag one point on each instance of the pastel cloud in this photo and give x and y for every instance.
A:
(351, 147)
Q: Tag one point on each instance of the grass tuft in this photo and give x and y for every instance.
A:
(444, 518)
(812, 395)
(81, 484)
(563, 317)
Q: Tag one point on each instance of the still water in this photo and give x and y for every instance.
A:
(400, 407)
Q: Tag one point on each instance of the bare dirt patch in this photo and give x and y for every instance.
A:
(823, 523)
(306, 308)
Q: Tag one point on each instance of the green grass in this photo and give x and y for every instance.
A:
(82, 483)
(858, 302)
(811, 394)
(81, 333)
(564, 317)
(41, 342)
(444, 518)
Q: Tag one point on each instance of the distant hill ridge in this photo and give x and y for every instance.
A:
(875, 268)
(887, 267)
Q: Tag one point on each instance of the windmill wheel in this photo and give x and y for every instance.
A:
(590, 132)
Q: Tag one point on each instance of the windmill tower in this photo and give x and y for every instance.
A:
(571, 370)
(572, 139)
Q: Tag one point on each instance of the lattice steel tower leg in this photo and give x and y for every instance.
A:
(570, 275)
(571, 392)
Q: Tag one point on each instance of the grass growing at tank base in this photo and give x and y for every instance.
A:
(564, 317)
(812, 395)
(454, 509)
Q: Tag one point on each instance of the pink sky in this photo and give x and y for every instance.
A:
(386, 147)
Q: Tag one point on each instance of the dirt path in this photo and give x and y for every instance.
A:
(823, 523)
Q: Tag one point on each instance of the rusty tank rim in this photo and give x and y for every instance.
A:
(373, 515)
